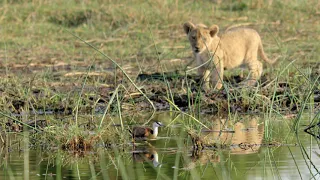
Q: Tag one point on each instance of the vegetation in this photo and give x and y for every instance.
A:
(92, 69)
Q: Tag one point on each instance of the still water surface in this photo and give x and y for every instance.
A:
(245, 155)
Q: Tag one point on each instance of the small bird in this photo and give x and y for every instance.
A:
(146, 132)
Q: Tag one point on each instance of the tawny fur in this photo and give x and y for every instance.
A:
(233, 48)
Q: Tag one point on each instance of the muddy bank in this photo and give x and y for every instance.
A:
(165, 90)
(186, 94)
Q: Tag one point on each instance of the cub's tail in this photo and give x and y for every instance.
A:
(263, 55)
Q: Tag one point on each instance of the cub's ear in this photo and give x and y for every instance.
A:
(188, 26)
(213, 30)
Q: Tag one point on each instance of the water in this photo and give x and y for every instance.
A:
(171, 155)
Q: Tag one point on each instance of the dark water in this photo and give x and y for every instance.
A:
(245, 154)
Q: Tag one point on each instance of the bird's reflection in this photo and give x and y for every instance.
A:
(146, 154)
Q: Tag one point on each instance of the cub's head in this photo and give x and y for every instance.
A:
(200, 36)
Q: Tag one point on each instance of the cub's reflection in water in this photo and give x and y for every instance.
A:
(223, 134)
(146, 154)
(243, 137)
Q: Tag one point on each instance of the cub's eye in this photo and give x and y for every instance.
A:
(193, 37)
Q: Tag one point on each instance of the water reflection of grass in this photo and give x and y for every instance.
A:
(175, 150)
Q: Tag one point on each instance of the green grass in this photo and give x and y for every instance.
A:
(41, 56)
(45, 44)
(37, 34)
(83, 57)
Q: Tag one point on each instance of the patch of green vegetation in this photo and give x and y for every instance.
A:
(46, 67)
(236, 6)
(70, 19)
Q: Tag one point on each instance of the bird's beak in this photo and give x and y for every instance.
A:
(160, 124)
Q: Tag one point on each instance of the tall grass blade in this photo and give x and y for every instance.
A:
(122, 70)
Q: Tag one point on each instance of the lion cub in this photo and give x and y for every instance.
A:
(235, 47)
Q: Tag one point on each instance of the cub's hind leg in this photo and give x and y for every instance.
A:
(255, 70)
(255, 66)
